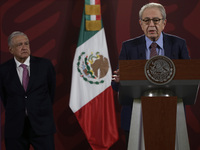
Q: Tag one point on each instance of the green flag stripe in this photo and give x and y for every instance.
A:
(87, 17)
(87, 2)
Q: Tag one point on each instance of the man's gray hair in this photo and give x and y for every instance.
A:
(15, 33)
(152, 5)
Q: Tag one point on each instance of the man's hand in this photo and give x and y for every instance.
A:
(116, 77)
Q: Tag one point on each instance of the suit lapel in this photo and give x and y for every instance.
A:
(33, 71)
(14, 75)
(167, 45)
(142, 48)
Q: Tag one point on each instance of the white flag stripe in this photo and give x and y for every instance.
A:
(77, 100)
(92, 2)
(93, 17)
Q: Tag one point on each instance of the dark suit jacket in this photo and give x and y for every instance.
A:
(37, 99)
(174, 48)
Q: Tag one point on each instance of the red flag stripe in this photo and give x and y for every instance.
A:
(97, 2)
(100, 114)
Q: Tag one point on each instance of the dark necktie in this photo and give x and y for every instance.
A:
(25, 76)
(153, 47)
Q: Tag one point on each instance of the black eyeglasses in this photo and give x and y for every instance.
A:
(148, 20)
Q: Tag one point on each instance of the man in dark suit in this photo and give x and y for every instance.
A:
(152, 19)
(28, 110)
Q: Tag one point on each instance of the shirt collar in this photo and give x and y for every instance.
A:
(159, 41)
(27, 62)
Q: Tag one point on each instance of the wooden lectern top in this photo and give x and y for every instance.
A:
(133, 82)
(185, 69)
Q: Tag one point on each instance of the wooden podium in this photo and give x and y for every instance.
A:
(158, 122)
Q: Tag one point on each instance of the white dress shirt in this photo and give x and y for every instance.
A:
(20, 69)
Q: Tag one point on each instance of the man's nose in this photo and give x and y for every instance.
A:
(151, 23)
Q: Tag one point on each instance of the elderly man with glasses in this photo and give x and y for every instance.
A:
(152, 19)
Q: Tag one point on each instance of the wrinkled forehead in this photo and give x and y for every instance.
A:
(152, 12)
(19, 38)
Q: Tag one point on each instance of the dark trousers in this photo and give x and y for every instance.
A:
(44, 142)
(126, 133)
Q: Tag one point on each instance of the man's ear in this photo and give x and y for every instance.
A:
(11, 50)
(165, 22)
(140, 22)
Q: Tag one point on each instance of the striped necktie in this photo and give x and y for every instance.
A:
(153, 47)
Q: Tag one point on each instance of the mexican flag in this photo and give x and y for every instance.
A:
(91, 97)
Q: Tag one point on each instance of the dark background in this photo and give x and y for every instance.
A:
(53, 29)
